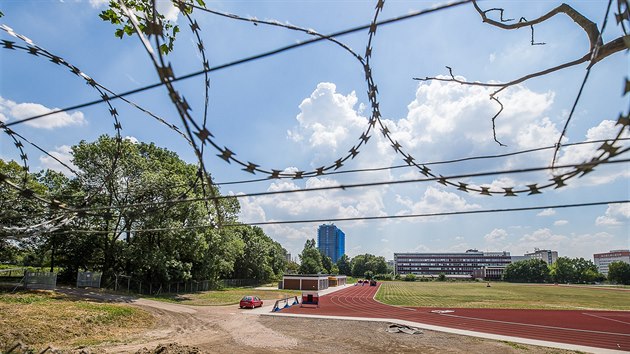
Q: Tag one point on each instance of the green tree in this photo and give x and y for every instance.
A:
(563, 270)
(9, 252)
(410, 277)
(327, 263)
(19, 209)
(344, 265)
(310, 259)
(363, 263)
(334, 270)
(585, 270)
(574, 270)
(262, 258)
(619, 272)
(133, 185)
(527, 271)
(292, 268)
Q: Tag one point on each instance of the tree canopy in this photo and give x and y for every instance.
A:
(135, 220)
(527, 271)
(310, 259)
(574, 270)
(368, 262)
(619, 272)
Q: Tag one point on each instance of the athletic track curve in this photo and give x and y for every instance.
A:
(600, 329)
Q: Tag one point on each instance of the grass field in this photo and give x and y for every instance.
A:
(39, 318)
(501, 295)
(228, 296)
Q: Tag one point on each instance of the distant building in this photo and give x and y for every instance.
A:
(602, 260)
(331, 241)
(468, 264)
(391, 264)
(550, 257)
(287, 256)
(519, 258)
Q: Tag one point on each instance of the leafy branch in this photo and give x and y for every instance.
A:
(160, 26)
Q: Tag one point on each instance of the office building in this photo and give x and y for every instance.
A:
(548, 256)
(602, 260)
(331, 241)
(464, 265)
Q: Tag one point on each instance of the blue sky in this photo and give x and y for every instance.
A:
(307, 107)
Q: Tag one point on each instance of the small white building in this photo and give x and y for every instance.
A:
(602, 260)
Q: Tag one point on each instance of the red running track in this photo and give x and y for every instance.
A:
(601, 329)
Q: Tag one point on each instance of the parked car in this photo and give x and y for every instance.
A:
(372, 282)
(250, 301)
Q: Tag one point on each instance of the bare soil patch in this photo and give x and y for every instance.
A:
(227, 329)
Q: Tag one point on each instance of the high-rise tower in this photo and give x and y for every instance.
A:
(331, 241)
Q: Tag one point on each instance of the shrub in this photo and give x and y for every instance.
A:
(384, 277)
(410, 277)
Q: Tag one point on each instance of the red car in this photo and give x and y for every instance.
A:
(250, 301)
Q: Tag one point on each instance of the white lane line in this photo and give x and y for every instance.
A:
(535, 325)
(604, 318)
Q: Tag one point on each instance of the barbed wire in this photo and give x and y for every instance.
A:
(508, 191)
(430, 163)
(606, 152)
(191, 185)
(36, 50)
(228, 155)
(246, 60)
(368, 218)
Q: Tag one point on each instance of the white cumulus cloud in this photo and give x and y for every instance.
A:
(615, 215)
(496, 235)
(328, 118)
(547, 212)
(10, 110)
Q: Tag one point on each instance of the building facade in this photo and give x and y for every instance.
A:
(490, 264)
(331, 241)
(550, 257)
(602, 260)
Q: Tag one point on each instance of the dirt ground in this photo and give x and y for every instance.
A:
(228, 329)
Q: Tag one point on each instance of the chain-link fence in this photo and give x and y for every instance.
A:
(88, 279)
(126, 283)
(232, 283)
(40, 280)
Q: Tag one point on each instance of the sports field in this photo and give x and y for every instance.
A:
(502, 295)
